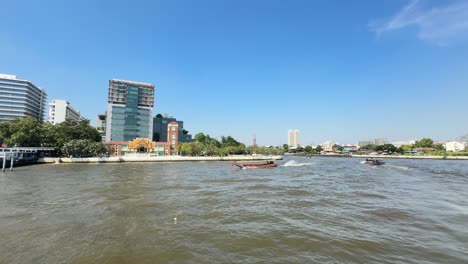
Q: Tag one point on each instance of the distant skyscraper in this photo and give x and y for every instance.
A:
(61, 110)
(380, 141)
(364, 143)
(20, 98)
(129, 110)
(293, 138)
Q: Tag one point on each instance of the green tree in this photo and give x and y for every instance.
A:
(60, 134)
(285, 147)
(23, 132)
(369, 147)
(405, 148)
(439, 147)
(83, 148)
(5, 131)
(308, 150)
(200, 137)
(389, 148)
(159, 116)
(424, 143)
(337, 147)
(318, 149)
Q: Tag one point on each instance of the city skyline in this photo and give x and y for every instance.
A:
(384, 72)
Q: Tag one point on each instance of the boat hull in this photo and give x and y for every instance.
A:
(260, 166)
(246, 166)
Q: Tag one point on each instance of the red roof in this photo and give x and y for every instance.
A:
(115, 142)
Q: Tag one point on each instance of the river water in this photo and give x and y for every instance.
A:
(319, 210)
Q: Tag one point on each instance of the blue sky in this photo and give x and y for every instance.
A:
(335, 70)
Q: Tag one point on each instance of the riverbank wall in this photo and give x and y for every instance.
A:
(155, 159)
(411, 157)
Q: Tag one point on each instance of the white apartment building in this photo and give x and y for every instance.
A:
(455, 146)
(327, 146)
(20, 98)
(293, 138)
(60, 110)
(405, 142)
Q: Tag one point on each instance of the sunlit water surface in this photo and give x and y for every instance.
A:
(319, 210)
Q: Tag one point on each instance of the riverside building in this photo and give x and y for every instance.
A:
(61, 110)
(20, 98)
(129, 110)
(146, 146)
(101, 125)
(160, 125)
(293, 138)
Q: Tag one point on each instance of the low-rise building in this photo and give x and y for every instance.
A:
(350, 148)
(327, 146)
(454, 146)
(147, 146)
(61, 110)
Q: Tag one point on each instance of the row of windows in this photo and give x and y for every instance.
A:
(12, 112)
(12, 107)
(21, 97)
(13, 104)
(27, 87)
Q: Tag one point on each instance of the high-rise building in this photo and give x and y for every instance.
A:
(160, 124)
(129, 110)
(61, 110)
(101, 125)
(293, 138)
(20, 98)
(173, 138)
(364, 143)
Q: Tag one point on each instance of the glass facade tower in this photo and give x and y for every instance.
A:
(160, 125)
(20, 98)
(129, 110)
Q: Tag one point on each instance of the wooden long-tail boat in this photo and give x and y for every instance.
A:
(268, 164)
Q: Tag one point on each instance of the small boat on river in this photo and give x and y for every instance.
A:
(374, 162)
(244, 166)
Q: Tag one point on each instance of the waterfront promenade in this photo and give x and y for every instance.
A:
(147, 158)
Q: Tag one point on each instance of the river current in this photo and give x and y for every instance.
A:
(319, 210)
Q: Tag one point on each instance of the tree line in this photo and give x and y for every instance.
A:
(70, 138)
(204, 145)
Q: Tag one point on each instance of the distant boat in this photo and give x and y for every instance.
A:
(244, 166)
(375, 162)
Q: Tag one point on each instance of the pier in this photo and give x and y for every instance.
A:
(22, 156)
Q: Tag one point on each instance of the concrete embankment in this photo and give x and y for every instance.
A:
(156, 159)
(412, 157)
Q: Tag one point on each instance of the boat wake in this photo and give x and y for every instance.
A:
(397, 167)
(293, 163)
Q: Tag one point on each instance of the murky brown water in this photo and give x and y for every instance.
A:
(321, 210)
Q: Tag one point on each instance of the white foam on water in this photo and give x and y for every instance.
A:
(397, 167)
(293, 163)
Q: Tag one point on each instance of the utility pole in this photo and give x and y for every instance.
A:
(254, 148)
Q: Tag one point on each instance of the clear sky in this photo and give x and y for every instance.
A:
(336, 70)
